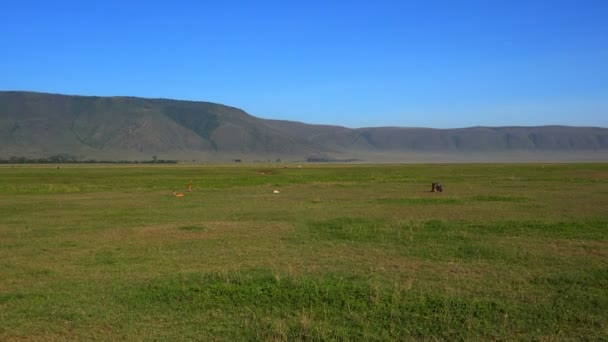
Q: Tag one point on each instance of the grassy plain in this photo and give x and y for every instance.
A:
(361, 252)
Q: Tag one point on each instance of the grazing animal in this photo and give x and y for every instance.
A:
(177, 194)
(436, 187)
(276, 191)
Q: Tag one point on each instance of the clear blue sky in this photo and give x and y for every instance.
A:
(353, 63)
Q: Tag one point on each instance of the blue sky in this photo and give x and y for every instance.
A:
(353, 63)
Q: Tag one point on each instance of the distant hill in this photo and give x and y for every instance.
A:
(42, 125)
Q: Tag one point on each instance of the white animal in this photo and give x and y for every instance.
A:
(275, 191)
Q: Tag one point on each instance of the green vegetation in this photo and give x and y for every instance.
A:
(200, 118)
(69, 159)
(360, 252)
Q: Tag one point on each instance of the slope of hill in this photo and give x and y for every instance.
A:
(39, 125)
(35, 124)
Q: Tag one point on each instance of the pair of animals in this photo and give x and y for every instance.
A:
(181, 194)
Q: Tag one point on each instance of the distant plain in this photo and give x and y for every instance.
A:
(507, 251)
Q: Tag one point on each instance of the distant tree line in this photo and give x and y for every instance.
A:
(329, 160)
(68, 159)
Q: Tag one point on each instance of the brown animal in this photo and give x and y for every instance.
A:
(190, 187)
(436, 187)
(177, 194)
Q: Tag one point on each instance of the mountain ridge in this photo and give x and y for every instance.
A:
(126, 127)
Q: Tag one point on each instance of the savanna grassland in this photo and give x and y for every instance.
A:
(343, 252)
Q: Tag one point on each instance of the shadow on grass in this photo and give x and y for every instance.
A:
(443, 240)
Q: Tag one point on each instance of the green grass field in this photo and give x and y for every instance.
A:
(343, 252)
